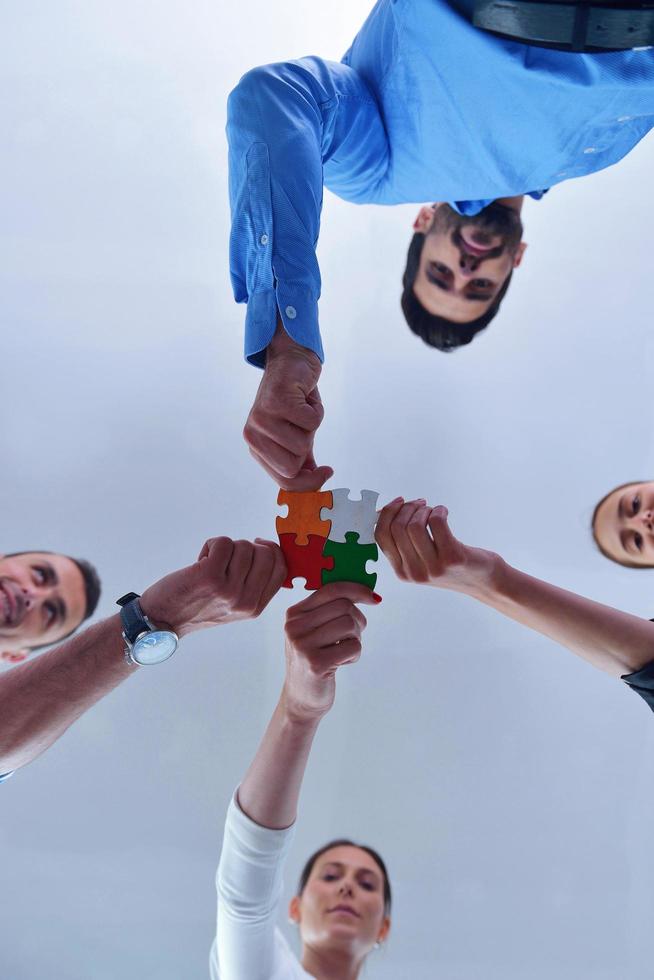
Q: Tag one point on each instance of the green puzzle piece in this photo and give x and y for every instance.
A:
(350, 561)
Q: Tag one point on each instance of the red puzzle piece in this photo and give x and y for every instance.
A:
(305, 561)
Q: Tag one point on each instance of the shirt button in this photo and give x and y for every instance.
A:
(264, 239)
(590, 149)
(291, 312)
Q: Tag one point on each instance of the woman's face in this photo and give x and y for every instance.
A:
(624, 524)
(342, 904)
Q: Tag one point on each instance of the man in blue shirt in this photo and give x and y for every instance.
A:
(423, 107)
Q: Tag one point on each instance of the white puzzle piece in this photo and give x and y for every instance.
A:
(346, 515)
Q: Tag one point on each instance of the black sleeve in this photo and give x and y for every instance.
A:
(642, 681)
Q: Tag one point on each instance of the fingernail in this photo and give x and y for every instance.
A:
(376, 597)
(421, 500)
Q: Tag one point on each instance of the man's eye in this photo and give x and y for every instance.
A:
(638, 541)
(635, 505)
(329, 876)
(368, 885)
(444, 271)
(51, 612)
(40, 575)
(481, 283)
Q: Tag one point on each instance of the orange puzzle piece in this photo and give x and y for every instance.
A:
(303, 516)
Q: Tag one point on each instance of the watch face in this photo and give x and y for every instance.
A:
(154, 647)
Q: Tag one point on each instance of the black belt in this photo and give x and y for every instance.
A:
(584, 25)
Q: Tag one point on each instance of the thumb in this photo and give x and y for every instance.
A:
(308, 479)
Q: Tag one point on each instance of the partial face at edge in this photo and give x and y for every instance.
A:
(342, 904)
(624, 524)
(465, 261)
(42, 598)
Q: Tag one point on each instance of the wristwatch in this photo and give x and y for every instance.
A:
(144, 643)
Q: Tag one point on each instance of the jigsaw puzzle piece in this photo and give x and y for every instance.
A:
(304, 561)
(304, 514)
(359, 516)
(350, 561)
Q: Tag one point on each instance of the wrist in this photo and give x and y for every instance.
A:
(298, 714)
(156, 613)
(481, 576)
(282, 346)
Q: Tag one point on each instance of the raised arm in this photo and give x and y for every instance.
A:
(291, 127)
(419, 544)
(40, 699)
(323, 633)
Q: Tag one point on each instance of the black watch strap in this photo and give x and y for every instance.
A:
(131, 616)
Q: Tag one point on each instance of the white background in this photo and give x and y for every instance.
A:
(508, 785)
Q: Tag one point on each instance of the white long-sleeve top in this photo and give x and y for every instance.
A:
(248, 944)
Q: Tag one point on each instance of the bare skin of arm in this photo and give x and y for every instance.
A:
(40, 699)
(419, 544)
(323, 633)
(286, 413)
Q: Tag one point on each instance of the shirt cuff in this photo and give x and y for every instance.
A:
(253, 832)
(298, 309)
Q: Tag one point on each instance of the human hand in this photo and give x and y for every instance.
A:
(287, 411)
(418, 542)
(230, 580)
(323, 633)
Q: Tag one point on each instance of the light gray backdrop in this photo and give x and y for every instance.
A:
(508, 785)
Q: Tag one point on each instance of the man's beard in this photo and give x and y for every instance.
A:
(495, 220)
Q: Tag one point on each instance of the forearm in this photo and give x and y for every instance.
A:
(40, 699)
(611, 640)
(270, 790)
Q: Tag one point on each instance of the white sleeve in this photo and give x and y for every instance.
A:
(249, 882)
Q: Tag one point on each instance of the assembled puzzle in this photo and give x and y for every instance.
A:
(326, 537)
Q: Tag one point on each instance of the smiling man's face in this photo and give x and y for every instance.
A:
(42, 598)
(465, 261)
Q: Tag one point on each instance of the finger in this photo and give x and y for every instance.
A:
(334, 631)
(308, 479)
(218, 551)
(240, 564)
(278, 457)
(331, 611)
(446, 544)
(383, 535)
(277, 477)
(353, 591)
(282, 431)
(314, 399)
(421, 539)
(265, 577)
(346, 652)
(307, 414)
(411, 563)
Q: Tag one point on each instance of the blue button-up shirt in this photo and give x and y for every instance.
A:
(423, 107)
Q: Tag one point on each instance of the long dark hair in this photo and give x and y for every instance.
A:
(342, 842)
